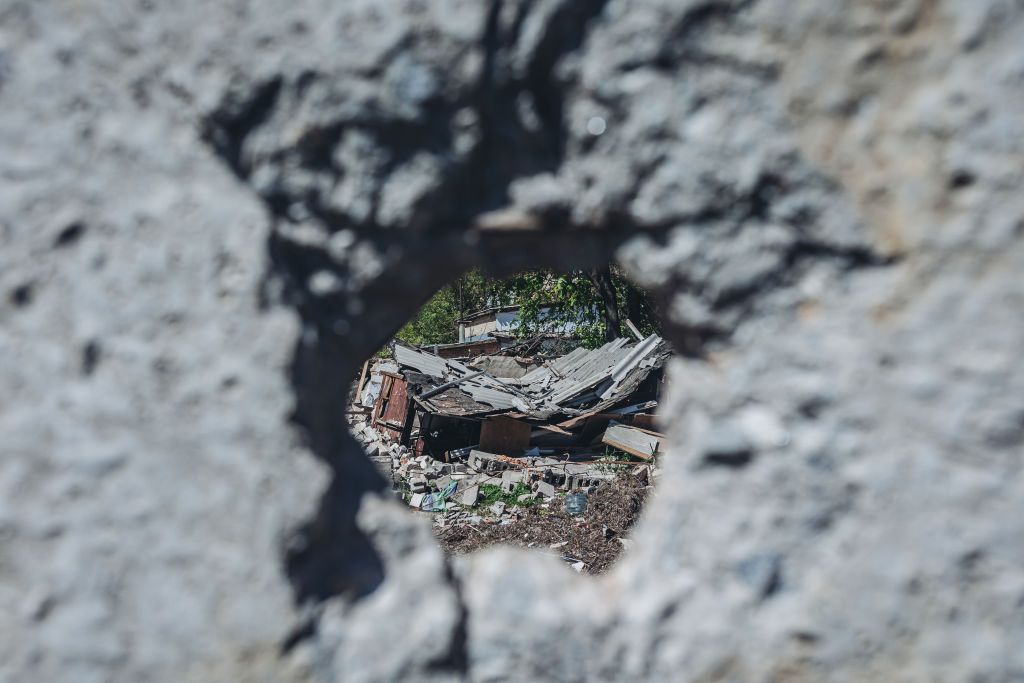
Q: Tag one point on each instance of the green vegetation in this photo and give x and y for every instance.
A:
(597, 301)
(616, 461)
(491, 494)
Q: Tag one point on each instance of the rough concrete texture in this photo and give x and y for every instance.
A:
(211, 212)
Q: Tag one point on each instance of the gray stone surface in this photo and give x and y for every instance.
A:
(469, 496)
(211, 213)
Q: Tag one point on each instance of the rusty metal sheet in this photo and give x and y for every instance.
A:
(392, 406)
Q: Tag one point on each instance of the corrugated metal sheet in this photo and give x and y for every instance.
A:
(429, 364)
(635, 355)
(576, 377)
(493, 397)
(426, 363)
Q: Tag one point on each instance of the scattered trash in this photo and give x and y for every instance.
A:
(576, 503)
(449, 489)
(615, 505)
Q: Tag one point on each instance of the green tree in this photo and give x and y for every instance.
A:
(594, 302)
(435, 322)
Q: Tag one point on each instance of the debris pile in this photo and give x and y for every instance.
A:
(589, 543)
(474, 449)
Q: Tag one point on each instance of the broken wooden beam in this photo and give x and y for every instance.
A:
(641, 443)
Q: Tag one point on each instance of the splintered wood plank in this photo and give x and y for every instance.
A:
(362, 378)
(639, 442)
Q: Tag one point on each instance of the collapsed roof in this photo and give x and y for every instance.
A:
(578, 382)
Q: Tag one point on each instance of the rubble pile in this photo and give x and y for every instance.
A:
(589, 542)
(473, 449)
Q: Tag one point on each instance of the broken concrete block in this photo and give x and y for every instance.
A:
(526, 497)
(498, 508)
(469, 496)
(514, 476)
(544, 489)
(416, 500)
(509, 480)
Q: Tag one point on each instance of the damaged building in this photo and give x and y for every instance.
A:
(443, 428)
(434, 405)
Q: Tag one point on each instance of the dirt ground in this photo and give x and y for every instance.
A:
(593, 538)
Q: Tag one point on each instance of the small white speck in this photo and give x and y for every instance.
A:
(324, 283)
(596, 125)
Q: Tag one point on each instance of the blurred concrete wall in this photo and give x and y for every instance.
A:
(211, 212)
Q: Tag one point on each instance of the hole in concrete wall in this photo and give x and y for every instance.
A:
(355, 269)
(21, 296)
(521, 411)
(69, 235)
(373, 209)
